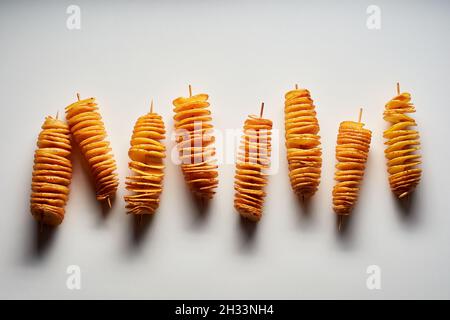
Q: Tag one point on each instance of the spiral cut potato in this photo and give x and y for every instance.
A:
(195, 144)
(402, 145)
(146, 154)
(352, 150)
(52, 173)
(302, 142)
(88, 130)
(252, 160)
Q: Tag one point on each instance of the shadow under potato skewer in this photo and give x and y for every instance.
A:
(352, 151)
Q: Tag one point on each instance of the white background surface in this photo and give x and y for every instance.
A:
(240, 53)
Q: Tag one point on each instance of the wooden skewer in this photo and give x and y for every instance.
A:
(78, 96)
(296, 86)
(57, 114)
(202, 203)
(398, 88)
(190, 91)
(262, 110)
(340, 221)
(341, 217)
(151, 107)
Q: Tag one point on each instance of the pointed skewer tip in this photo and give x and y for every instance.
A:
(262, 110)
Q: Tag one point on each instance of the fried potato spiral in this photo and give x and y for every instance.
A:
(352, 150)
(253, 160)
(146, 154)
(88, 130)
(195, 144)
(402, 146)
(304, 153)
(52, 173)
